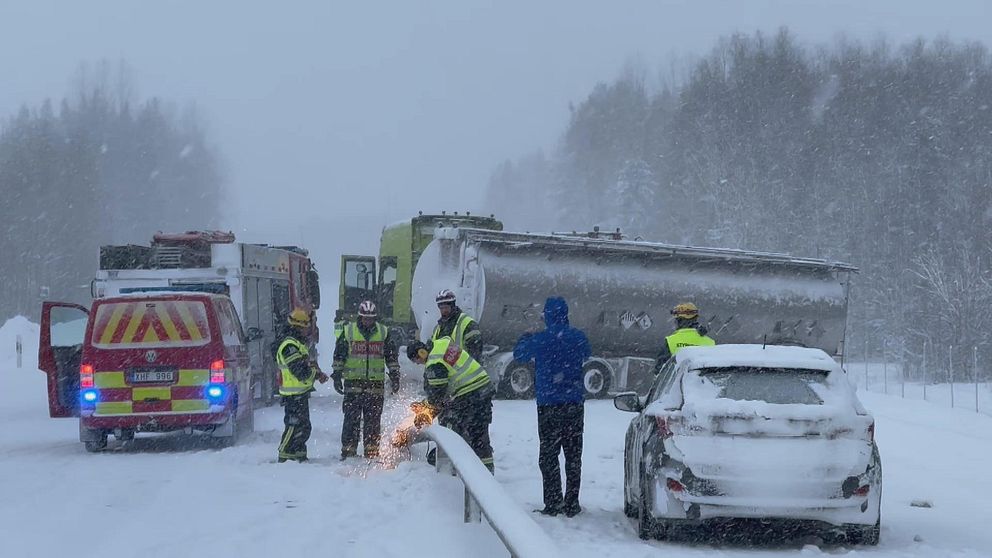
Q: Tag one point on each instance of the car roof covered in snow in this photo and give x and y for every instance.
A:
(764, 356)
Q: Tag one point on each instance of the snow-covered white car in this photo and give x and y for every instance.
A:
(751, 432)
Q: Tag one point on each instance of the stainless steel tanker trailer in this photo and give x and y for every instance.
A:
(620, 293)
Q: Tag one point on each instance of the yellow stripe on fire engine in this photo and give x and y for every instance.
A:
(114, 408)
(132, 325)
(111, 327)
(167, 323)
(109, 380)
(190, 405)
(189, 322)
(193, 377)
(143, 393)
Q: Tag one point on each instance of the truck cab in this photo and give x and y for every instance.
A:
(388, 279)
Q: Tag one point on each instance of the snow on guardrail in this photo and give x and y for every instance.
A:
(521, 535)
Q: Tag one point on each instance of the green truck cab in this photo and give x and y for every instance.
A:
(388, 279)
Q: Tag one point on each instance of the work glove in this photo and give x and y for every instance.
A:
(322, 378)
(394, 384)
(338, 383)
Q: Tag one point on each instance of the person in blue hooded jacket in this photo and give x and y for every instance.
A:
(558, 353)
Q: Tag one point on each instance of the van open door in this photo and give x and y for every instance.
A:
(60, 348)
(357, 282)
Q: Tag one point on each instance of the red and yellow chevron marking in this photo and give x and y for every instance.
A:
(151, 323)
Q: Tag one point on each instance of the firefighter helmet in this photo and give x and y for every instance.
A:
(367, 308)
(685, 311)
(299, 318)
(446, 296)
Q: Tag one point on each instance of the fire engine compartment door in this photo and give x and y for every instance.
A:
(60, 350)
(357, 282)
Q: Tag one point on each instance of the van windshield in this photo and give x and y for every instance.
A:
(147, 324)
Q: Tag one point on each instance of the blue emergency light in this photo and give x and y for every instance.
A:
(90, 396)
(215, 392)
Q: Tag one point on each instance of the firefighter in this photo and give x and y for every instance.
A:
(298, 372)
(459, 326)
(362, 354)
(459, 391)
(688, 333)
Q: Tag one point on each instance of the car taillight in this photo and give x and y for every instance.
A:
(664, 430)
(862, 490)
(871, 432)
(86, 376)
(674, 485)
(217, 375)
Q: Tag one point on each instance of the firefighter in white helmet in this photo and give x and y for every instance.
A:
(362, 355)
(456, 324)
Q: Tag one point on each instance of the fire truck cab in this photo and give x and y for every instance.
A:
(180, 336)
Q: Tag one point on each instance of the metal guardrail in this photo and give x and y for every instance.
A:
(484, 496)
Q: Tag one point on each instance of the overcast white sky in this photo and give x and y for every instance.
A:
(332, 111)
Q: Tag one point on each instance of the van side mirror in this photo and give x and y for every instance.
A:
(253, 334)
(628, 401)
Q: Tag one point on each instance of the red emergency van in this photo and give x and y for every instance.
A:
(148, 362)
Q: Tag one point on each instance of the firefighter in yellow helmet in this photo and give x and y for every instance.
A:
(688, 333)
(297, 372)
(363, 354)
(459, 390)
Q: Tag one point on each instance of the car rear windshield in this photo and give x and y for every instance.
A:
(772, 385)
(147, 324)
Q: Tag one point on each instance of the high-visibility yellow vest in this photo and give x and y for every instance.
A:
(291, 385)
(458, 333)
(366, 359)
(687, 337)
(465, 374)
(338, 329)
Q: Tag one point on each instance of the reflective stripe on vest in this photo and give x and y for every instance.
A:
(465, 374)
(291, 385)
(366, 359)
(458, 333)
(687, 337)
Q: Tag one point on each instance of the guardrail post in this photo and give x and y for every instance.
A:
(473, 514)
(442, 463)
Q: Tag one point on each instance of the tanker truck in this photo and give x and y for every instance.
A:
(619, 292)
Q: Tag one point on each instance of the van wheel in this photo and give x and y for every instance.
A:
(518, 381)
(96, 445)
(597, 380)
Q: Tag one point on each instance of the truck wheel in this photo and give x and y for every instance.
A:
(518, 381)
(597, 380)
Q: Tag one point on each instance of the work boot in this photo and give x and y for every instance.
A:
(347, 454)
(571, 510)
(550, 510)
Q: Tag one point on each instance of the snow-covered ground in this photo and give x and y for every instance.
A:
(175, 498)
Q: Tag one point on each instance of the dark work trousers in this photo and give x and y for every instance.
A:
(470, 416)
(297, 431)
(362, 416)
(559, 428)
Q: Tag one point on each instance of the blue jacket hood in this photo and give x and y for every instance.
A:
(555, 313)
